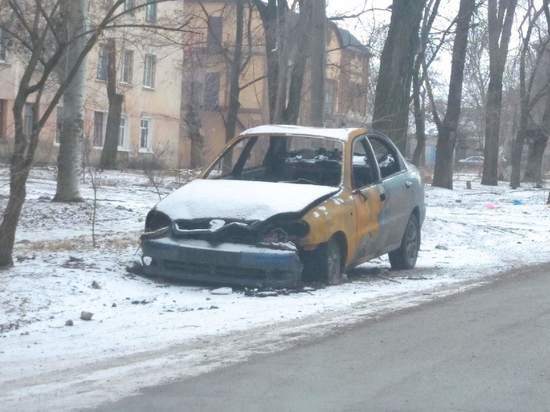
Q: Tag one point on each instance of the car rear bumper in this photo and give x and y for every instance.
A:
(225, 263)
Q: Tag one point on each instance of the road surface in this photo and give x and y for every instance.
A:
(488, 349)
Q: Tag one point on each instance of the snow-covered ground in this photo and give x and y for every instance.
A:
(144, 332)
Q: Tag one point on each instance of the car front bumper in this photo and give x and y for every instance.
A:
(225, 263)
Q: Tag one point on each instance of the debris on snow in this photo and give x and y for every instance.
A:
(140, 302)
(95, 285)
(441, 247)
(222, 291)
(86, 315)
(69, 323)
(267, 294)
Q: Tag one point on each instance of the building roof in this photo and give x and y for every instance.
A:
(284, 130)
(348, 40)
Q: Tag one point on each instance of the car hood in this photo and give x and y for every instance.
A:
(240, 200)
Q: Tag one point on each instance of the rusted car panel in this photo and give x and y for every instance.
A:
(279, 201)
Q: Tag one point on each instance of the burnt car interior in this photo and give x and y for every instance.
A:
(289, 159)
(388, 160)
(364, 169)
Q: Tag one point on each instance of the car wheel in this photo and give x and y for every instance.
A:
(405, 257)
(332, 263)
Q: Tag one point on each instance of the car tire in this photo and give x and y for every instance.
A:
(405, 257)
(331, 263)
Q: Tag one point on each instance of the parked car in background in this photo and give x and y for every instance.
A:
(472, 161)
(283, 204)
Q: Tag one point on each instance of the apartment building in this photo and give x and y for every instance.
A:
(149, 73)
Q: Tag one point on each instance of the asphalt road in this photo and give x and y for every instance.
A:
(486, 350)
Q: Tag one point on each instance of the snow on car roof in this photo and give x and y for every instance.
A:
(340, 134)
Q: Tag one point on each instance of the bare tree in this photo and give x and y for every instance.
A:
(391, 105)
(318, 63)
(286, 40)
(418, 78)
(476, 73)
(95, 182)
(235, 74)
(447, 128)
(190, 96)
(116, 99)
(38, 32)
(500, 19)
(74, 15)
(37, 28)
(528, 96)
(537, 144)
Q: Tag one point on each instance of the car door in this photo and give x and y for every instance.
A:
(394, 180)
(367, 193)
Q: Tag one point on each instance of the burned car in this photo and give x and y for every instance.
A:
(284, 204)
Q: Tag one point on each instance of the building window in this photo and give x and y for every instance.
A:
(100, 120)
(59, 124)
(146, 134)
(102, 63)
(211, 100)
(129, 6)
(149, 69)
(330, 97)
(123, 141)
(3, 46)
(215, 33)
(3, 114)
(151, 12)
(127, 71)
(28, 119)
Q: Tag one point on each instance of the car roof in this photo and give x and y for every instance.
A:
(340, 134)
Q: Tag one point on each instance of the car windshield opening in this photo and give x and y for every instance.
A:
(289, 159)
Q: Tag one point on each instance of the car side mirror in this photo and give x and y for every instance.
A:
(359, 192)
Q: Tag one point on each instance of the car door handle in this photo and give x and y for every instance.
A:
(383, 197)
(408, 184)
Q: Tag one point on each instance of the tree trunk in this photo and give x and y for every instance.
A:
(318, 62)
(525, 129)
(71, 136)
(419, 154)
(235, 75)
(18, 177)
(492, 131)
(444, 158)
(444, 164)
(110, 146)
(191, 120)
(286, 47)
(20, 166)
(517, 152)
(272, 15)
(291, 112)
(391, 104)
(535, 157)
(499, 37)
(193, 125)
